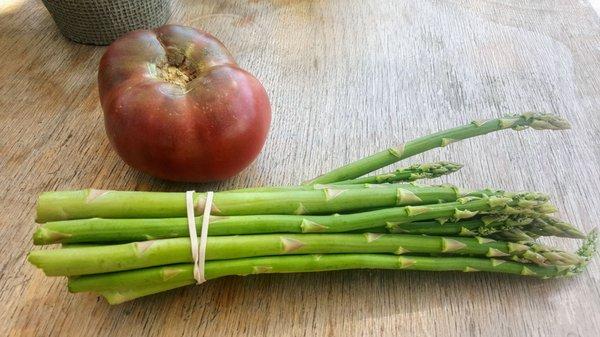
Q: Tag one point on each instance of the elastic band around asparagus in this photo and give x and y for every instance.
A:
(440, 139)
(65, 205)
(122, 230)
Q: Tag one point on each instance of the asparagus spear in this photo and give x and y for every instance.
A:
(135, 255)
(119, 287)
(322, 187)
(513, 234)
(547, 225)
(107, 230)
(90, 203)
(440, 139)
(407, 174)
(515, 228)
(411, 173)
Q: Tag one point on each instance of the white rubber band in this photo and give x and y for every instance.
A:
(198, 248)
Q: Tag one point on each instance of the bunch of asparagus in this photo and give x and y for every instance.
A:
(125, 245)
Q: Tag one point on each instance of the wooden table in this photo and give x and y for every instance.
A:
(346, 78)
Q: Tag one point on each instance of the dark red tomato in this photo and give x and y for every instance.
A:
(178, 107)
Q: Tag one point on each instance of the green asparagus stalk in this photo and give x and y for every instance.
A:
(543, 225)
(511, 228)
(550, 226)
(119, 287)
(91, 203)
(440, 139)
(411, 173)
(407, 174)
(135, 255)
(322, 187)
(513, 235)
(122, 230)
(477, 226)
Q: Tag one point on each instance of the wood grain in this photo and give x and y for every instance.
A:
(346, 78)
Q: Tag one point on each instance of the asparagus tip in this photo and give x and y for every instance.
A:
(565, 229)
(541, 121)
(585, 252)
(434, 170)
(589, 247)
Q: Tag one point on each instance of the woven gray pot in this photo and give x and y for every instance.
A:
(100, 22)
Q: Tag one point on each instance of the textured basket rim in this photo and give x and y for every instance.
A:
(100, 22)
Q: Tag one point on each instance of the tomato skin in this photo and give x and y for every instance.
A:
(209, 128)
